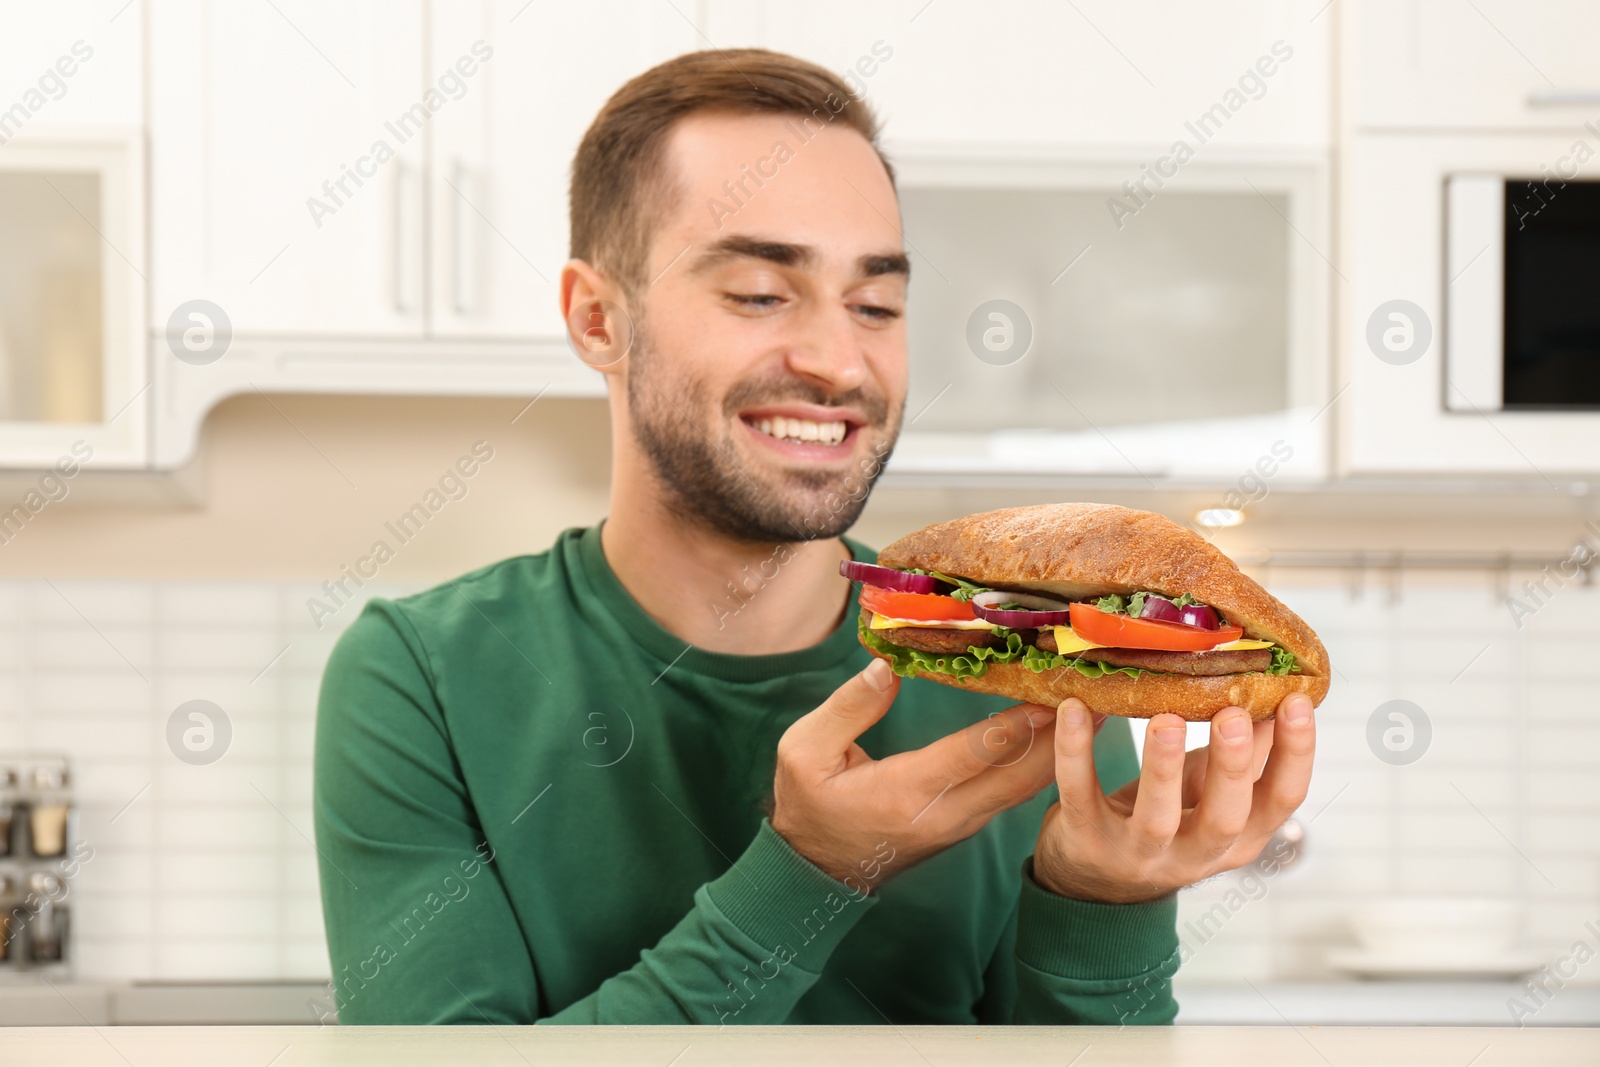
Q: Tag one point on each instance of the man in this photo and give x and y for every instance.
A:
(649, 775)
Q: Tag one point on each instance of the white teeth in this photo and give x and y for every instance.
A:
(827, 433)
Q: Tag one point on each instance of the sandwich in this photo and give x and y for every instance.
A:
(1123, 609)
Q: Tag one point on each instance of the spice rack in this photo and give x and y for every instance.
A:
(39, 857)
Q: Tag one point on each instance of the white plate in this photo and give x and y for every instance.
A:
(1359, 961)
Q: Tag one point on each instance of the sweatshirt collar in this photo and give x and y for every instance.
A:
(676, 654)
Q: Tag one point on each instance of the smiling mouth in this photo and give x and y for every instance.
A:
(805, 431)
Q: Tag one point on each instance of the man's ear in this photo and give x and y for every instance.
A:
(599, 327)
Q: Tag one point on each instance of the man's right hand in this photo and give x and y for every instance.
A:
(836, 805)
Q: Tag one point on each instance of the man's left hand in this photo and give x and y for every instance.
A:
(1186, 817)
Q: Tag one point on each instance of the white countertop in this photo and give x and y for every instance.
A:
(918, 1046)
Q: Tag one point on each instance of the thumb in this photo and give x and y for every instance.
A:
(848, 713)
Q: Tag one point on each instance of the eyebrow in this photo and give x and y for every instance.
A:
(786, 254)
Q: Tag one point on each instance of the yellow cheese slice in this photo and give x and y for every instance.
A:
(1243, 645)
(1068, 641)
(883, 622)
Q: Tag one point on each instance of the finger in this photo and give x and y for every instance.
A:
(1287, 776)
(824, 736)
(1000, 739)
(1194, 778)
(1196, 760)
(1083, 801)
(1158, 809)
(1225, 798)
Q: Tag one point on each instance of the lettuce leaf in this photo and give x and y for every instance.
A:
(908, 662)
(1282, 661)
(1133, 606)
(964, 590)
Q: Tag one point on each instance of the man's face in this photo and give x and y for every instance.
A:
(767, 378)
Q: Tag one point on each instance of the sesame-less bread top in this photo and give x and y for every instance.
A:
(1078, 551)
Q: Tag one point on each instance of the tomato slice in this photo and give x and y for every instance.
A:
(923, 607)
(1119, 631)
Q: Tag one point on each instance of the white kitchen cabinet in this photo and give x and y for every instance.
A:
(379, 169)
(287, 164)
(1039, 72)
(1450, 64)
(72, 274)
(1395, 415)
(502, 154)
(306, 170)
(73, 266)
(429, 266)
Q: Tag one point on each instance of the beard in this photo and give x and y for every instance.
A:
(685, 434)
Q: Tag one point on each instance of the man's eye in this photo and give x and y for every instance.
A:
(879, 314)
(759, 301)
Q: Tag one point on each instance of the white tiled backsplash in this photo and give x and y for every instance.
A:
(1504, 802)
(209, 871)
(197, 871)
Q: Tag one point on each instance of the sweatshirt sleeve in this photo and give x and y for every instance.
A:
(1076, 962)
(396, 831)
(735, 958)
(1083, 963)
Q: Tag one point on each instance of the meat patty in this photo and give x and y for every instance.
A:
(1239, 661)
(939, 639)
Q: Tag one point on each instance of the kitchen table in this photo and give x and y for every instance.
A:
(842, 1046)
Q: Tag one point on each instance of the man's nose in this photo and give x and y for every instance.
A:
(828, 351)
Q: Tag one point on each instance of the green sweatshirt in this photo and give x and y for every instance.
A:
(533, 803)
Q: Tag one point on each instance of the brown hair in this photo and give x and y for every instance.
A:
(618, 179)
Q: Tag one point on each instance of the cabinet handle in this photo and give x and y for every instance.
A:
(1563, 97)
(463, 260)
(407, 234)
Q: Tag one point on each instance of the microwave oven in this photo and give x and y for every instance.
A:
(1522, 293)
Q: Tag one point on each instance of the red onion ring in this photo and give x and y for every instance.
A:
(1035, 611)
(889, 578)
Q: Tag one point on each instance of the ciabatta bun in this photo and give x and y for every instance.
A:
(1074, 551)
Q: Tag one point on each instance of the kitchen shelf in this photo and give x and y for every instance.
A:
(160, 1003)
(1380, 1003)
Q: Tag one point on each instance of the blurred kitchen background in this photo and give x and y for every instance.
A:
(1317, 278)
